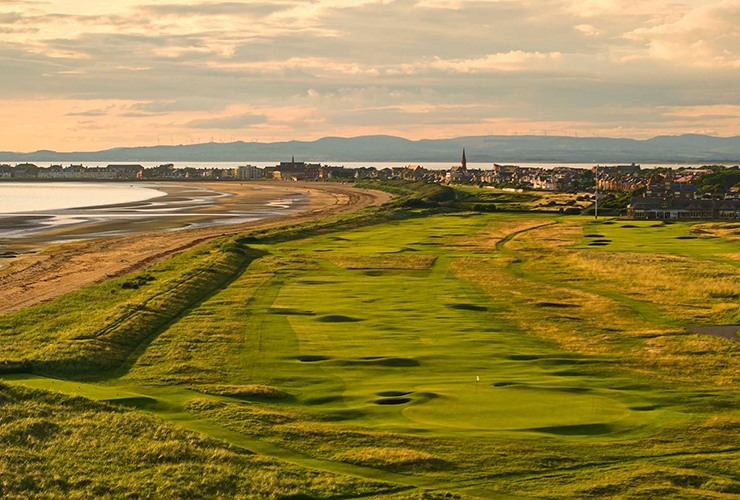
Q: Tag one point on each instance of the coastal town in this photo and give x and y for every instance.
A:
(644, 193)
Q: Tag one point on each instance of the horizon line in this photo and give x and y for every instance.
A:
(576, 137)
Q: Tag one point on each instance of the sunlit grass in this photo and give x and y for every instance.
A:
(497, 351)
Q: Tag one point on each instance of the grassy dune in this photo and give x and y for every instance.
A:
(99, 327)
(438, 351)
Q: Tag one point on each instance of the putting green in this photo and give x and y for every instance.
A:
(514, 408)
(402, 347)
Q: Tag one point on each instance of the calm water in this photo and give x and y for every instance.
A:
(24, 197)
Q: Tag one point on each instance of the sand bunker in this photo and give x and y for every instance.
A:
(338, 318)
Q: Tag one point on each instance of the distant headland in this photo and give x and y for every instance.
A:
(490, 148)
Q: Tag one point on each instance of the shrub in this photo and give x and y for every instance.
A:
(135, 282)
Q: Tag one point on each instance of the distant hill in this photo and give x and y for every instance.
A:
(492, 148)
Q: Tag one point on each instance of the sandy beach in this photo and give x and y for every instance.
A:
(49, 268)
(175, 206)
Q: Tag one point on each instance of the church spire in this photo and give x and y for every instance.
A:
(464, 162)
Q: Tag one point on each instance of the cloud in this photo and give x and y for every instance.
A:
(245, 120)
(252, 9)
(10, 17)
(705, 37)
(716, 111)
(597, 8)
(515, 60)
(11, 31)
(418, 67)
(88, 113)
(588, 30)
(191, 103)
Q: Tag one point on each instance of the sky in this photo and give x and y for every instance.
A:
(79, 75)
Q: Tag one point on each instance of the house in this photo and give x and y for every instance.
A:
(668, 188)
(296, 170)
(365, 172)
(618, 169)
(96, 173)
(682, 209)
(414, 173)
(397, 172)
(385, 173)
(25, 170)
(126, 171)
(53, 172)
(248, 172)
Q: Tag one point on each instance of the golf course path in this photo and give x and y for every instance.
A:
(729, 332)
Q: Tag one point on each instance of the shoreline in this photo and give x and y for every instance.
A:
(57, 269)
(177, 207)
(48, 197)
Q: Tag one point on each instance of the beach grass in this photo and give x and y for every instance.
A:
(97, 328)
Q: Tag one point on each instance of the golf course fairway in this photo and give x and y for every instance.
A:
(467, 354)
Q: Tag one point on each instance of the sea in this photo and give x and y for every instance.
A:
(20, 197)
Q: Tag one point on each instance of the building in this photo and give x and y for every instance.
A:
(53, 172)
(459, 172)
(96, 173)
(248, 173)
(25, 170)
(618, 169)
(666, 187)
(296, 170)
(415, 173)
(682, 209)
(126, 171)
(365, 172)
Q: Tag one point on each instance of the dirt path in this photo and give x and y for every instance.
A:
(61, 269)
(729, 332)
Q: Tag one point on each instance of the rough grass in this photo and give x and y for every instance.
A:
(203, 347)
(245, 391)
(539, 469)
(527, 201)
(98, 327)
(644, 299)
(392, 458)
(348, 261)
(607, 397)
(58, 447)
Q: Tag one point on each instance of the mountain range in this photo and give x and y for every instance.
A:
(689, 148)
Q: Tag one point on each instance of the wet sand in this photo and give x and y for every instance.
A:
(183, 205)
(42, 275)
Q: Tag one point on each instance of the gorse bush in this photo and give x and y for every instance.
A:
(137, 281)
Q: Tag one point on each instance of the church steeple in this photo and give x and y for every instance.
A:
(464, 162)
